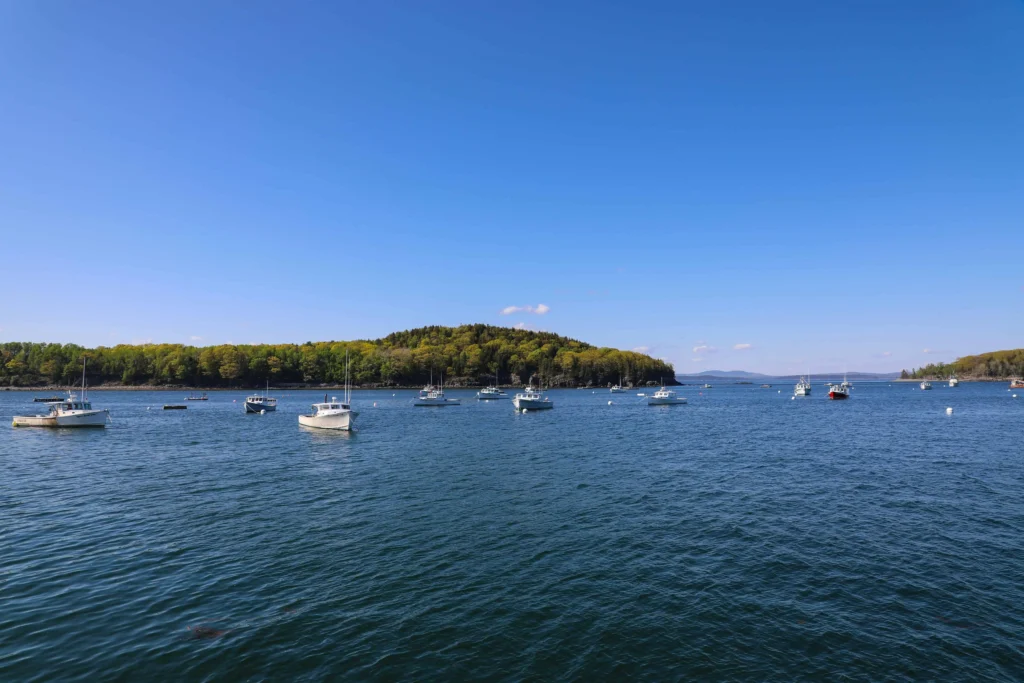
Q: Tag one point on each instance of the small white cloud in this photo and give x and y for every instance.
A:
(196, 337)
(142, 342)
(521, 326)
(539, 309)
(704, 348)
(641, 349)
(743, 347)
(929, 351)
(697, 360)
(886, 354)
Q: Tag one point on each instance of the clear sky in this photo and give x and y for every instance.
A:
(771, 186)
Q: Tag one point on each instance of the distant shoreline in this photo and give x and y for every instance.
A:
(200, 390)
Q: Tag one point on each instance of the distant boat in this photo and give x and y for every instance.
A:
(333, 414)
(1017, 383)
(192, 396)
(665, 397)
(258, 404)
(531, 399)
(431, 396)
(926, 386)
(838, 392)
(68, 412)
(48, 399)
(803, 387)
(491, 393)
(618, 388)
(707, 386)
(766, 386)
(953, 381)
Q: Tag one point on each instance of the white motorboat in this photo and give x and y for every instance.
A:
(926, 386)
(70, 412)
(803, 387)
(259, 404)
(665, 397)
(333, 414)
(491, 393)
(953, 381)
(532, 399)
(431, 396)
(618, 388)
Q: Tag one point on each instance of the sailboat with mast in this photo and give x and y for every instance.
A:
(333, 414)
(491, 393)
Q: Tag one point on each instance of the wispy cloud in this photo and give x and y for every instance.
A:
(142, 342)
(195, 337)
(743, 347)
(704, 348)
(641, 349)
(886, 354)
(930, 351)
(522, 326)
(539, 309)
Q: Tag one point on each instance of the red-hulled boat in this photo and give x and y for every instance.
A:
(837, 392)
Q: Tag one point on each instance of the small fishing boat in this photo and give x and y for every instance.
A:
(803, 387)
(260, 404)
(766, 386)
(532, 399)
(838, 392)
(707, 386)
(665, 397)
(69, 412)
(333, 414)
(192, 396)
(926, 386)
(491, 393)
(953, 381)
(431, 396)
(175, 407)
(1017, 383)
(618, 388)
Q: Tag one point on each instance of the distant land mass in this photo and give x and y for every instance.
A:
(467, 355)
(994, 365)
(744, 375)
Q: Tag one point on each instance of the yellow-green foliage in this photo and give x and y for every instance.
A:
(470, 352)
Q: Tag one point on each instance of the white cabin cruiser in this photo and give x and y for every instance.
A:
(665, 397)
(953, 381)
(803, 387)
(491, 393)
(69, 412)
(926, 386)
(532, 399)
(331, 414)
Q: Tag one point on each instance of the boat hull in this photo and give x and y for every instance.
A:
(343, 422)
(802, 392)
(257, 407)
(837, 396)
(666, 401)
(437, 402)
(84, 418)
(531, 404)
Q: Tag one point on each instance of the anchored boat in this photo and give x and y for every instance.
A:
(838, 392)
(70, 412)
(259, 404)
(431, 396)
(532, 399)
(333, 414)
(665, 397)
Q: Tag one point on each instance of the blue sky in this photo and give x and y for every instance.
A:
(772, 186)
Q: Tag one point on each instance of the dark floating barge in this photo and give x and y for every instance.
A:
(175, 407)
(49, 399)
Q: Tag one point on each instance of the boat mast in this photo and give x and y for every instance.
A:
(83, 378)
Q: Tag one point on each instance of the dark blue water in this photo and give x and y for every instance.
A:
(744, 536)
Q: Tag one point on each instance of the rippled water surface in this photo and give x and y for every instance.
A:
(744, 536)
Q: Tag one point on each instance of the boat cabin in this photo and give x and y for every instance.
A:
(320, 408)
(67, 406)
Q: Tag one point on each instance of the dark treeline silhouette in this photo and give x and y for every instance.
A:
(993, 365)
(466, 354)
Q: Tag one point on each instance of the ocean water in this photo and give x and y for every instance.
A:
(746, 536)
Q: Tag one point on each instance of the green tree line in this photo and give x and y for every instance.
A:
(993, 365)
(470, 354)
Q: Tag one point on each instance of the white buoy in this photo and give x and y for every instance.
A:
(524, 411)
(263, 412)
(792, 398)
(780, 391)
(1015, 395)
(949, 411)
(609, 402)
(147, 407)
(374, 404)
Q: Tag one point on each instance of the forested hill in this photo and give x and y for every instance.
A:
(993, 365)
(470, 354)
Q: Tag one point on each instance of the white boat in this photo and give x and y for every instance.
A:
(431, 396)
(803, 387)
(333, 414)
(618, 388)
(259, 404)
(70, 412)
(926, 385)
(491, 393)
(707, 386)
(953, 381)
(532, 399)
(665, 397)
